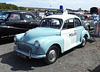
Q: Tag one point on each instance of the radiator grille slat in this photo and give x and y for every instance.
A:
(24, 47)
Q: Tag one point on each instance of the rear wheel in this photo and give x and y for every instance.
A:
(51, 55)
(0, 37)
(83, 42)
(89, 27)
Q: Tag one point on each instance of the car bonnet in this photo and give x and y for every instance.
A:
(40, 32)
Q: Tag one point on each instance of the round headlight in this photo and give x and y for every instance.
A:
(37, 44)
(15, 39)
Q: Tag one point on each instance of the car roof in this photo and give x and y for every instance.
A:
(63, 16)
(84, 14)
(17, 11)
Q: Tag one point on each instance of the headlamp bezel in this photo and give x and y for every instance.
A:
(37, 44)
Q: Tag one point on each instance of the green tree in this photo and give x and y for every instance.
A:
(30, 9)
(22, 8)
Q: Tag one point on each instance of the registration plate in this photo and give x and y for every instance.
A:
(21, 55)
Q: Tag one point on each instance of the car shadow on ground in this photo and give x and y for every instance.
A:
(18, 63)
(97, 69)
(69, 51)
(91, 40)
(6, 40)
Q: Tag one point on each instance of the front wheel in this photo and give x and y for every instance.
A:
(51, 55)
(83, 42)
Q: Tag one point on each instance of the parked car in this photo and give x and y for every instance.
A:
(56, 34)
(14, 22)
(61, 11)
(87, 20)
(49, 12)
(37, 14)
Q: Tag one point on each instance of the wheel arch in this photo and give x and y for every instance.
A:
(51, 41)
(58, 48)
(85, 34)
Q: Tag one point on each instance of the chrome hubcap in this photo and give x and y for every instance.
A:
(83, 41)
(52, 55)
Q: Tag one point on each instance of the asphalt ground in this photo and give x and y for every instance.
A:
(86, 59)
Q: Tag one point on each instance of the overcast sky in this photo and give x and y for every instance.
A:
(70, 4)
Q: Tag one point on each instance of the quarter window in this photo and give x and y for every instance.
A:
(28, 17)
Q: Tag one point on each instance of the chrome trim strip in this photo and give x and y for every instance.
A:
(13, 27)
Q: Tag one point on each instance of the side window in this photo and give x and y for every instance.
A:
(91, 18)
(28, 17)
(68, 24)
(14, 17)
(77, 22)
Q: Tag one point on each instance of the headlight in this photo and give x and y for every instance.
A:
(37, 44)
(15, 39)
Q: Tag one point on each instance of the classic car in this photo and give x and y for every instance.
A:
(55, 35)
(87, 20)
(14, 22)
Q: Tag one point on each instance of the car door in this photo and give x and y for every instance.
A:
(68, 33)
(78, 26)
(91, 22)
(14, 23)
(30, 20)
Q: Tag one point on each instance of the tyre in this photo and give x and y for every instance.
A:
(89, 28)
(83, 42)
(52, 55)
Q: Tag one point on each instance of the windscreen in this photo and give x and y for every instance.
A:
(3, 16)
(51, 22)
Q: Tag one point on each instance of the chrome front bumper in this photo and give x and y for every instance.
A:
(30, 55)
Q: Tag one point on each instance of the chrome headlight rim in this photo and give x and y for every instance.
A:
(37, 44)
(15, 38)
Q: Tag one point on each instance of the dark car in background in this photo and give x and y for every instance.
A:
(14, 22)
(37, 14)
(49, 12)
(87, 20)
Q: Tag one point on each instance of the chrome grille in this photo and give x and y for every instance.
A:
(24, 47)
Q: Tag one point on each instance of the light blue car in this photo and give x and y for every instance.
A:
(56, 34)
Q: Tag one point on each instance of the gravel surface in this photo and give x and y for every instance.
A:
(86, 59)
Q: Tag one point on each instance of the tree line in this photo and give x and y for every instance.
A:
(4, 6)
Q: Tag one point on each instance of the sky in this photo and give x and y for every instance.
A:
(70, 4)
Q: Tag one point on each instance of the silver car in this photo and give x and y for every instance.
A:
(87, 21)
